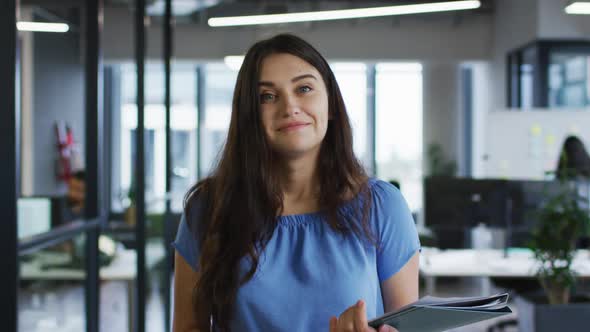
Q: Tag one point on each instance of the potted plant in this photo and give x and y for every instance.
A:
(561, 222)
(438, 164)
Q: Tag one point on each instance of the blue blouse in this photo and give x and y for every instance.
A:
(308, 272)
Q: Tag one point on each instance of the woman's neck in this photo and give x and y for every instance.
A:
(299, 181)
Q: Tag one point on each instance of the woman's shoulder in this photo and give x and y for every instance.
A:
(383, 190)
(387, 199)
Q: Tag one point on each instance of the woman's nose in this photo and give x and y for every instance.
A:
(291, 106)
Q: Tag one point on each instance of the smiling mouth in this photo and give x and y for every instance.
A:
(293, 127)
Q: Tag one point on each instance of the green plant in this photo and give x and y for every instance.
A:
(438, 163)
(155, 225)
(131, 195)
(561, 222)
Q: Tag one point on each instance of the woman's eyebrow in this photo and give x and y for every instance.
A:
(293, 80)
(300, 77)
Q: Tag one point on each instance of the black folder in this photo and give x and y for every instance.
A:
(434, 314)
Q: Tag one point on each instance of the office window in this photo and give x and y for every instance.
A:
(183, 124)
(569, 80)
(352, 80)
(398, 127)
(149, 142)
(527, 78)
(549, 73)
(219, 82)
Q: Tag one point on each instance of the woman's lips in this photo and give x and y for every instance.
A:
(293, 127)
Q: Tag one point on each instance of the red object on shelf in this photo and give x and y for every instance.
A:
(65, 144)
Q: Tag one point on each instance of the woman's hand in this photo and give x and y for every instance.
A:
(354, 319)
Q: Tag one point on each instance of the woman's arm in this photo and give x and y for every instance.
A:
(184, 281)
(401, 288)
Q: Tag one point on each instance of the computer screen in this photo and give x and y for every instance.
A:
(452, 203)
(453, 206)
(34, 216)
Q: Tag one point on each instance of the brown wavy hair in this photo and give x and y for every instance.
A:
(242, 198)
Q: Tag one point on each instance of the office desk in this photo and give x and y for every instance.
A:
(122, 268)
(487, 263)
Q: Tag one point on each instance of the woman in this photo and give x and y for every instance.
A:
(288, 233)
(574, 160)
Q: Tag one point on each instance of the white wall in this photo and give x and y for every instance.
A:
(58, 96)
(524, 145)
(553, 22)
(441, 109)
(27, 118)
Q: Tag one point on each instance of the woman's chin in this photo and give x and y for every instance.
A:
(296, 152)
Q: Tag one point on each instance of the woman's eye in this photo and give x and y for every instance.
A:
(267, 97)
(304, 89)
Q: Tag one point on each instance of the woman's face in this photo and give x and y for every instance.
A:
(293, 105)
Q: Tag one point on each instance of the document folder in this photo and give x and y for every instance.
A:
(434, 314)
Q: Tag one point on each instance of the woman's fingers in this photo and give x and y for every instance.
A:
(360, 317)
(387, 328)
(333, 324)
(353, 319)
(346, 320)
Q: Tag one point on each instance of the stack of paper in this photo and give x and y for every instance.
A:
(434, 314)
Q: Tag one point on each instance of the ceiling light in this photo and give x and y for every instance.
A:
(42, 27)
(179, 7)
(343, 14)
(578, 7)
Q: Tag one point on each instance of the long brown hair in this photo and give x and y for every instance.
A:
(574, 160)
(242, 197)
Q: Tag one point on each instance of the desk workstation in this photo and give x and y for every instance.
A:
(487, 263)
(455, 207)
(482, 228)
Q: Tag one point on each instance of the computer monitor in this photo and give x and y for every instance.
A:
(464, 202)
(38, 214)
(453, 206)
(33, 216)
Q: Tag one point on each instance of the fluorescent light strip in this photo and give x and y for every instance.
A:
(42, 27)
(582, 8)
(343, 14)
